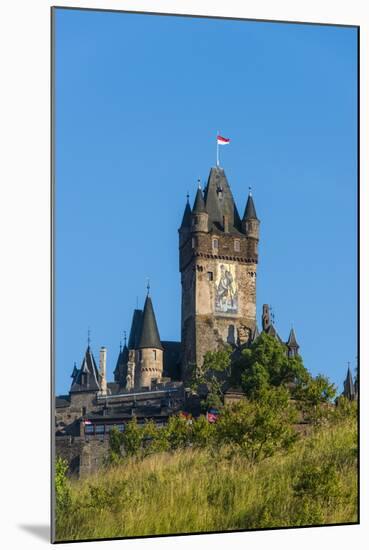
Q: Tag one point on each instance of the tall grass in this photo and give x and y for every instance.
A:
(194, 490)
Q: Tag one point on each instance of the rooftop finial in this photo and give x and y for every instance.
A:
(199, 183)
(250, 189)
(120, 346)
(88, 337)
(148, 286)
(125, 337)
(188, 197)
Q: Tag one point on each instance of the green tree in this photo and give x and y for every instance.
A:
(115, 444)
(259, 428)
(315, 397)
(132, 438)
(267, 364)
(154, 438)
(203, 432)
(216, 369)
(177, 432)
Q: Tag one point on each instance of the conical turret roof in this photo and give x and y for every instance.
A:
(250, 212)
(186, 220)
(149, 337)
(199, 204)
(292, 342)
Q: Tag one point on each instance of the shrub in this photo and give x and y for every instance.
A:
(62, 487)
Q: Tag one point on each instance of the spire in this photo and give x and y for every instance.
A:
(149, 337)
(250, 212)
(348, 386)
(199, 204)
(220, 203)
(186, 220)
(292, 342)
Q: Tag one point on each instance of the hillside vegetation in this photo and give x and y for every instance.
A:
(197, 489)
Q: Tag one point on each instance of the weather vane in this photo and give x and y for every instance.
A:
(148, 286)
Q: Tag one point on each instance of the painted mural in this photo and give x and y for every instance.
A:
(226, 291)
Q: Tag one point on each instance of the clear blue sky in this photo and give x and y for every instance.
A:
(139, 99)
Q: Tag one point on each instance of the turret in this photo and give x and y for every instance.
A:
(185, 228)
(292, 345)
(250, 222)
(200, 217)
(349, 390)
(150, 349)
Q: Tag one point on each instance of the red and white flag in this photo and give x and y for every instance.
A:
(222, 140)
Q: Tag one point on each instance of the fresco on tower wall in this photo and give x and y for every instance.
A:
(226, 290)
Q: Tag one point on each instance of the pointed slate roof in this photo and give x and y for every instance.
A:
(348, 386)
(149, 337)
(120, 370)
(292, 342)
(75, 372)
(88, 368)
(272, 332)
(186, 220)
(219, 201)
(135, 331)
(199, 204)
(250, 212)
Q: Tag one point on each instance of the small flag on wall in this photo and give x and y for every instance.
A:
(222, 140)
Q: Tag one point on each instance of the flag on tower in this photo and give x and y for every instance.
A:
(222, 140)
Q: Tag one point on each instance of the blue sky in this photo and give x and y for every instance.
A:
(139, 100)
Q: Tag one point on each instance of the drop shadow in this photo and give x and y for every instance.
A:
(40, 531)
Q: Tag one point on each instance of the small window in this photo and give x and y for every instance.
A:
(215, 244)
(194, 242)
(84, 379)
(89, 429)
(237, 245)
(210, 276)
(84, 410)
(120, 427)
(154, 354)
(99, 429)
(140, 355)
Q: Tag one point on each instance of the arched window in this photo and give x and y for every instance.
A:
(237, 245)
(215, 244)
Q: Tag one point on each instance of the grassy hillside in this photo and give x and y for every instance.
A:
(196, 490)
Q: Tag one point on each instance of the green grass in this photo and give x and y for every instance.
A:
(193, 491)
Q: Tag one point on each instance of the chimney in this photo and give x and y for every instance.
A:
(103, 370)
(225, 224)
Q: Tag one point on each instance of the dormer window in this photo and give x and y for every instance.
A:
(215, 244)
(237, 245)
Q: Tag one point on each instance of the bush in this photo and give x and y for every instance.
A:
(62, 487)
(258, 429)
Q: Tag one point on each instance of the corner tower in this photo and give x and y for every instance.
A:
(218, 257)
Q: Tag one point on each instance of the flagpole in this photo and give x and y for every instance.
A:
(217, 150)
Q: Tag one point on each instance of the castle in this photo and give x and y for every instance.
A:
(218, 258)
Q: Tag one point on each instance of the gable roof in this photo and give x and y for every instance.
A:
(219, 202)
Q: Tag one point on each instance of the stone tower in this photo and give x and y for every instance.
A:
(149, 359)
(218, 255)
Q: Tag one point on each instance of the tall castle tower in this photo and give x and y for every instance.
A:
(218, 255)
